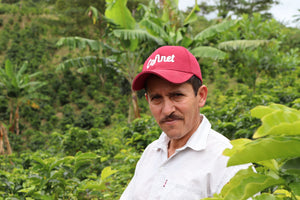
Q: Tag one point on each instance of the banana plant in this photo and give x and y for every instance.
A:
(159, 26)
(19, 88)
(275, 151)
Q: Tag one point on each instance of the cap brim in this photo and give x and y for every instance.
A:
(175, 77)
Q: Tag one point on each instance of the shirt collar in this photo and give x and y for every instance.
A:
(196, 142)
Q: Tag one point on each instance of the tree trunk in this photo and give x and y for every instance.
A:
(135, 104)
(3, 135)
(17, 120)
(1, 141)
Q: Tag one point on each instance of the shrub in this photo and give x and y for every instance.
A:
(274, 150)
(141, 132)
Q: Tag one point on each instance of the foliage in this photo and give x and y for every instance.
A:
(141, 132)
(274, 150)
(44, 177)
(251, 60)
(244, 7)
(19, 88)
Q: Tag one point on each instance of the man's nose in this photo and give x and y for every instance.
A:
(168, 107)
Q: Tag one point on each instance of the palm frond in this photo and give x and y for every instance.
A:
(86, 64)
(208, 52)
(77, 62)
(79, 42)
(241, 44)
(213, 30)
(22, 70)
(33, 85)
(153, 27)
(141, 35)
(9, 69)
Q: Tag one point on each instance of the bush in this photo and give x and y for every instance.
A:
(77, 139)
(141, 132)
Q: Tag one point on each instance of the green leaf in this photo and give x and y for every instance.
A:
(141, 35)
(153, 28)
(9, 69)
(295, 188)
(27, 190)
(85, 156)
(79, 42)
(83, 161)
(94, 185)
(272, 147)
(120, 14)
(292, 167)
(247, 183)
(261, 111)
(213, 30)
(237, 144)
(106, 172)
(270, 164)
(277, 120)
(192, 17)
(22, 70)
(208, 52)
(266, 196)
(241, 44)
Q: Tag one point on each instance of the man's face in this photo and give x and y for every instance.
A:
(175, 106)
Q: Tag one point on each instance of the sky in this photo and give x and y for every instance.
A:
(283, 12)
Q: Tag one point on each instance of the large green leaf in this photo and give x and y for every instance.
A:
(241, 44)
(9, 70)
(153, 28)
(295, 188)
(247, 183)
(292, 167)
(22, 70)
(119, 13)
(79, 42)
(272, 147)
(141, 35)
(213, 30)
(208, 52)
(266, 196)
(78, 62)
(277, 120)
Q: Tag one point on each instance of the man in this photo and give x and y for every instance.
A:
(186, 162)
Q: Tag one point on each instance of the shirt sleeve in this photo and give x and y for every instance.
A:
(128, 191)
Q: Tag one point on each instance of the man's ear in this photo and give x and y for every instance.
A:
(202, 92)
(146, 96)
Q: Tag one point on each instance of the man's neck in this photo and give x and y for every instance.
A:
(180, 142)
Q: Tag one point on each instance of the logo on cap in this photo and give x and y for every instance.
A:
(158, 58)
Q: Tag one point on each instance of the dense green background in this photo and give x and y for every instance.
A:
(77, 120)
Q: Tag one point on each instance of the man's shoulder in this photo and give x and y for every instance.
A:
(216, 139)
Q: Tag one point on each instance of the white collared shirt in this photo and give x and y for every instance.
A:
(195, 171)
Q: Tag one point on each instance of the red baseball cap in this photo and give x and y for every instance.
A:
(173, 63)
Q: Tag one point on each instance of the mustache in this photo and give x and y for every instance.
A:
(170, 117)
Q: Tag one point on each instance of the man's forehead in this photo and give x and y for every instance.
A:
(156, 84)
(154, 80)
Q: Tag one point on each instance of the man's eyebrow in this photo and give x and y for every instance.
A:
(153, 94)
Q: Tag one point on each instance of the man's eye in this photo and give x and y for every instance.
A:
(178, 94)
(155, 98)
